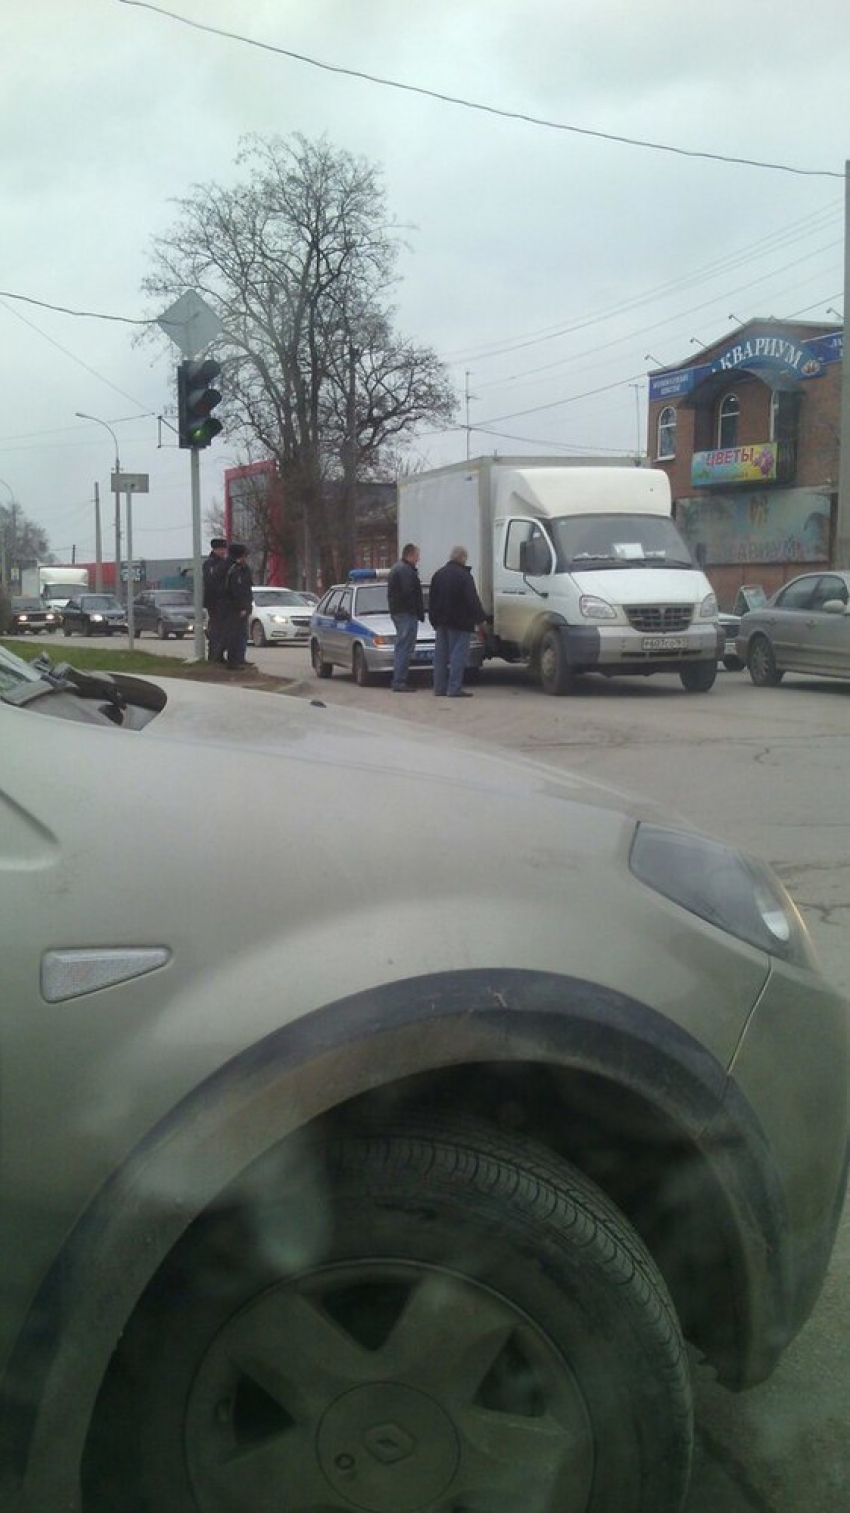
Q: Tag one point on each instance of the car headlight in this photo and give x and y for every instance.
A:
(279, 620)
(708, 608)
(594, 608)
(96, 617)
(735, 892)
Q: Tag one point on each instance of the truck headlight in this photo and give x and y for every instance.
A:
(594, 608)
(708, 608)
(735, 892)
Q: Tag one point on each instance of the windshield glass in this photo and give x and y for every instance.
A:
(60, 590)
(372, 600)
(172, 596)
(589, 541)
(99, 601)
(265, 596)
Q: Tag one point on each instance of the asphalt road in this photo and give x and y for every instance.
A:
(768, 769)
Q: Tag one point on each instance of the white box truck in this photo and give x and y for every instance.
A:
(581, 567)
(54, 585)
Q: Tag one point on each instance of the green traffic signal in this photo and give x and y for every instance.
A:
(196, 400)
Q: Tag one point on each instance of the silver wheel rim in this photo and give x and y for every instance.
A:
(387, 1388)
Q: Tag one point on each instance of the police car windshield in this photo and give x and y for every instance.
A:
(372, 599)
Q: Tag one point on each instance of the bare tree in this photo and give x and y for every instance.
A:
(299, 261)
(22, 541)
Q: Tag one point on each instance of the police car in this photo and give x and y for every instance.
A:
(352, 628)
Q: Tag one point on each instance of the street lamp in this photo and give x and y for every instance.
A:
(81, 415)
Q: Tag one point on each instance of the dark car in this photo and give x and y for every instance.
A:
(32, 615)
(165, 612)
(93, 615)
(804, 627)
(749, 596)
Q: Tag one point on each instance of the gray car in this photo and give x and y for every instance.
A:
(393, 1179)
(164, 612)
(804, 627)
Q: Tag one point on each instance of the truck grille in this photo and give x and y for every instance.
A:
(655, 619)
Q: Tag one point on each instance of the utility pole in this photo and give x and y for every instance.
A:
(842, 517)
(98, 543)
(466, 396)
(351, 460)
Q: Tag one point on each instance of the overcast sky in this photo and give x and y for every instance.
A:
(544, 264)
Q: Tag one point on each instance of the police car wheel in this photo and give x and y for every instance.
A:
(360, 669)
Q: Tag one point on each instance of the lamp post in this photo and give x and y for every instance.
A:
(81, 415)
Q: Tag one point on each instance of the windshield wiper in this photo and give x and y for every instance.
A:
(65, 679)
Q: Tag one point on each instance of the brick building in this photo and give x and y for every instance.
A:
(749, 437)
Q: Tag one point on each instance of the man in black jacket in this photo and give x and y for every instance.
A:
(454, 610)
(407, 607)
(239, 596)
(214, 574)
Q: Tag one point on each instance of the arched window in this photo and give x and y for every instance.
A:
(667, 432)
(727, 421)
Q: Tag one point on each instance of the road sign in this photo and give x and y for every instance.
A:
(130, 483)
(190, 323)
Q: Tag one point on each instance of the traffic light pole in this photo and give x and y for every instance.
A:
(197, 569)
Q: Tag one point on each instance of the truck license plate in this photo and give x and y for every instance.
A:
(663, 643)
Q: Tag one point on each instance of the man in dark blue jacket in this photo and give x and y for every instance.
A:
(214, 575)
(238, 598)
(454, 610)
(407, 607)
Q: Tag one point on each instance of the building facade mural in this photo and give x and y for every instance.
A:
(749, 437)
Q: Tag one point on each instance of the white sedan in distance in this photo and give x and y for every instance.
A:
(279, 616)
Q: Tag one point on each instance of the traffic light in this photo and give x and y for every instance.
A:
(196, 400)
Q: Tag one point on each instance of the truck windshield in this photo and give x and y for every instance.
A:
(596, 541)
(61, 590)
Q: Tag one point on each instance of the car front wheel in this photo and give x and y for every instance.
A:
(321, 668)
(698, 677)
(258, 635)
(66, 630)
(555, 674)
(162, 630)
(360, 668)
(435, 1318)
(761, 663)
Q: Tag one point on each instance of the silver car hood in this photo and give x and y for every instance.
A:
(285, 728)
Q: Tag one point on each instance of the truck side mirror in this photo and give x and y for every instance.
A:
(534, 557)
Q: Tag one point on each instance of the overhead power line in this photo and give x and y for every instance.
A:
(492, 110)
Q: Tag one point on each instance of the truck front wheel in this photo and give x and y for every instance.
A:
(438, 1316)
(698, 677)
(555, 674)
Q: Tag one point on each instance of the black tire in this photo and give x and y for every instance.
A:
(88, 629)
(258, 635)
(179, 635)
(320, 668)
(430, 1318)
(555, 674)
(161, 631)
(698, 677)
(359, 668)
(761, 663)
(733, 664)
(66, 630)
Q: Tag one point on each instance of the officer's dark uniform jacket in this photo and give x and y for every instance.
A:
(239, 587)
(215, 578)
